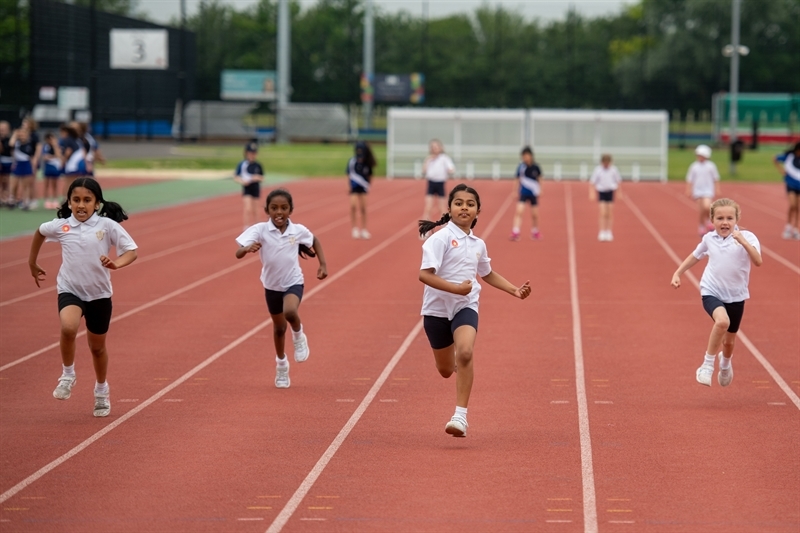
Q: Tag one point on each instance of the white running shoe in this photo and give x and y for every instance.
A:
(457, 426)
(64, 389)
(725, 375)
(609, 236)
(704, 374)
(102, 404)
(301, 351)
(356, 234)
(365, 234)
(282, 380)
(788, 234)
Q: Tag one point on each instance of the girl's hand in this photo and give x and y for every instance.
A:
(676, 281)
(108, 263)
(322, 272)
(592, 195)
(253, 248)
(38, 273)
(464, 288)
(738, 237)
(524, 291)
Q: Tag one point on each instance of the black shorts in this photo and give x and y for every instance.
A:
(97, 312)
(252, 189)
(275, 298)
(792, 188)
(357, 189)
(440, 330)
(527, 196)
(605, 196)
(435, 188)
(735, 311)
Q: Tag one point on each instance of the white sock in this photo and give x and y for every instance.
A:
(710, 360)
(514, 230)
(296, 334)
(462, 412)
(101, 388)
(283, 363)
(725, 363)
(68, 370)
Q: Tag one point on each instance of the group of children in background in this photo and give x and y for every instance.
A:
(61, 159)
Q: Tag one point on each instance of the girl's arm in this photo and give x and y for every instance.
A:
(754, 254)
(592, 192)
(688, 263)
(124, 260)
(37, 155)
(429, 278)
(37, 272)
(779, 165)
(249, 249)
(322, 271)
(499, 282)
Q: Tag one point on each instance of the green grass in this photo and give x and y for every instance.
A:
(755, 165)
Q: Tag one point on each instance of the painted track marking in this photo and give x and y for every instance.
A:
(691, 277)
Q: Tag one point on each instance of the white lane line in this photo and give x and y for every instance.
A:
(311, 478)
(745, 340)
(154, 398)
(587, 470)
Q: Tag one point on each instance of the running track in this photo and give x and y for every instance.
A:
(585, 415)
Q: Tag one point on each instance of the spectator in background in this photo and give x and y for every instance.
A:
(5, 162)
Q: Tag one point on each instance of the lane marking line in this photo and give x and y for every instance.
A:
(691, 277)
(345, 400)
(191, 373)
(621, 521)
(776, 403)
(558, 521)
(587, 470)
(249, 519)
(260, 507)
(559, 401)
(311, 478)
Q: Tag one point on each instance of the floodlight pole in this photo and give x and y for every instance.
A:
(182, 71)
(734, 89)
(284, 65)
(369, 59)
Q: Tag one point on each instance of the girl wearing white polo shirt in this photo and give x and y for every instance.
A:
(436, 168)
(723, 286)
(702, 184)
(87, 227)
(279, 242)
(451, 261)
(604, 181)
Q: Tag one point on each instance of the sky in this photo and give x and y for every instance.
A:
(163, 11)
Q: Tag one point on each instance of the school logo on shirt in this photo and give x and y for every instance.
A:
(65, 228)
(454, 243)
(291, 240)
(100, 234)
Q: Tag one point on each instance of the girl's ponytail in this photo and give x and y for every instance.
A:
(113, 211)
(426, 225)
(305, 252)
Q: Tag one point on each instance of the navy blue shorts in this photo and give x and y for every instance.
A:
(52, 172)
(275, 298)
(528, 196)
(23, 168)
(357, 189)
(5, 168)
(252, 189)
(735, 311)
(792, 186)
(440, 330)
(605, 196)
(97, 312)
(435, 188)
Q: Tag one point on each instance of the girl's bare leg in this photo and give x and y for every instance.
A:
(97, 345)
(721, 324)
(70, 318)
(464, 342)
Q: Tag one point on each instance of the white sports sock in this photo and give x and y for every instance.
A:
(724, 363)
(710, 360)
(515, 230)
(282, 362)
(68, 370)
(101, 388)
(462, 412)
(296, 334)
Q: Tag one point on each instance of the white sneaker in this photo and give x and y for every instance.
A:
(457, 426)
(609, 236)
(787, 234)
(355, 233)
(301, 351)
(365, 234)
(704, 374)
(64, 389)
(725, 375)
(282, 380)
(102, 404)
(601, 236)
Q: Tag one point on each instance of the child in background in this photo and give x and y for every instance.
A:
(51, 161)
(604, 181)
(723, 286)
(528, 174)
(87, 227)
(279, 242)
(73, 155)
(702, 184)
(436, 168)
(359, 170)
(451, 261)
(6, 160)
(26, 153)
(249, 175)
(788, 164)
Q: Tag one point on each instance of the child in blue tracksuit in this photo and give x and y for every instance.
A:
(788, 164)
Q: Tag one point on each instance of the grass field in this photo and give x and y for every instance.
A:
(331, 159)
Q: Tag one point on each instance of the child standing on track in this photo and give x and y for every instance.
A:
(51, 161)
(278, 242)
(788, 164)
(359, 170)
(451, 261)
(604, 181)
(702, 184)
(6, 160)
(436, 168)
(249, 175)
(528, 174)
(723, 286)
(87, 227)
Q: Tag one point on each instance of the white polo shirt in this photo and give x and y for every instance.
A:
(728, 270)
(82, 244)
(703, 177)
(439, 169)
(280, 265)
(605, 179)
(455, 257)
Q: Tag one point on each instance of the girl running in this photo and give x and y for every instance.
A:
(436, 168)
(278, 242)
(788, 164)
(604, 181)
(702, 184)
(87, 227)
(249, 175)
(360, 169)
(528, 174)
(51, 161)
(451, 261)
(723, 286)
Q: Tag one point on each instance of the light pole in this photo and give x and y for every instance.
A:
(284, 66)
(734, 50)
(369, 59)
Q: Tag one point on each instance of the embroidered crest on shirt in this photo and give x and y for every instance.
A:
(100, 234)
(454, 243)
(291, 240)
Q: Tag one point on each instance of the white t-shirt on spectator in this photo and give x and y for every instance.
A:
(703, 177)
(439, 168)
